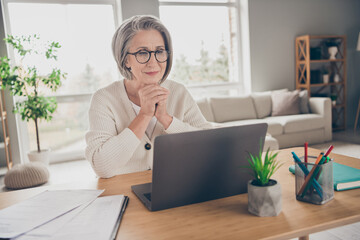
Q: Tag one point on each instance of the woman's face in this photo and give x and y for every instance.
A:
(152, 71)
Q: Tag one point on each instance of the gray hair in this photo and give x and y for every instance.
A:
(125, 33)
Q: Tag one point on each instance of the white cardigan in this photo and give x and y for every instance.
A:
(112, 148)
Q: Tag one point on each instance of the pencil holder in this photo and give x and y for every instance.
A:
(314, 182)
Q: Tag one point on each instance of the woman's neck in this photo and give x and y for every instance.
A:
(132, 88)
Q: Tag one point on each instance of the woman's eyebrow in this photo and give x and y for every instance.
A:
(146, 48)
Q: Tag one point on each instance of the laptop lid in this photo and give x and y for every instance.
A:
(198, 166)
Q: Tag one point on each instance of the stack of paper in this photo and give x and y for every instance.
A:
(64, 214)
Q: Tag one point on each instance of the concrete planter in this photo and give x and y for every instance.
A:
(43, 156)
(264, 201)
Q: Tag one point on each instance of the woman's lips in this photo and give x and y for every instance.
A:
(152, 73)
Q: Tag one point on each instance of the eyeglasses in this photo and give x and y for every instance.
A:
(143, 56)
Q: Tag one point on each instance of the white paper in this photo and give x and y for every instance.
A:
(96, 221)
(48, 229)
(29, 214)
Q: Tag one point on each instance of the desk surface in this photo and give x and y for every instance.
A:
(227, 217)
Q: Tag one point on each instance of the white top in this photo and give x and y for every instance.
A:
(112, 148)
(151, 126)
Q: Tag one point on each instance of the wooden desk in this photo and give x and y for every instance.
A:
(225, 218)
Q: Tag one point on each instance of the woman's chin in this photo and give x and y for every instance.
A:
(152, 80)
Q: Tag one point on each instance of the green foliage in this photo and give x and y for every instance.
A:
(263, 169)
(26, 82)
(207, 70)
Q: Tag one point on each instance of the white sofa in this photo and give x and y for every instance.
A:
(283, 131)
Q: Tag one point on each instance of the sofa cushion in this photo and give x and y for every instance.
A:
(300, 122)
(304, 101)
(232, 108)
(274, 128)
(285, 103)
(262, 102)
(205, 109)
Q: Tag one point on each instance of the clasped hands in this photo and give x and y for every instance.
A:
(153, 100)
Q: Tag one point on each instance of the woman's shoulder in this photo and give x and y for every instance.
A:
(110, 89)
(174, 86)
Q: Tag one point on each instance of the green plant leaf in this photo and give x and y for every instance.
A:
(25, 82)
(262, 167)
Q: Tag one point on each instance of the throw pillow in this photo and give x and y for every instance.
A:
(285, 103)
(262, 102)
(304, 101)
(232, 108)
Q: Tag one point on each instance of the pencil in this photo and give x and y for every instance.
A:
(310, 175)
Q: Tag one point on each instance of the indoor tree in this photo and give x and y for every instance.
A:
(28, 82)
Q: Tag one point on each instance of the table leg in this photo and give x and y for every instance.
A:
(304, 237)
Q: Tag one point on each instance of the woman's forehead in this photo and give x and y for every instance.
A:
(147, 39)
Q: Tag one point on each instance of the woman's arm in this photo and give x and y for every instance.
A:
(107, 150)
(191, 118)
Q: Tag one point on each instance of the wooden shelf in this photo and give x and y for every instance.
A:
(326, 60)
(305, 67)
(338, 105)
(324, 84)
(322, 61)
(5, 131)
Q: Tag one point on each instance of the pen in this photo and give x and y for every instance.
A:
(311, 175)
(117, 224)
(317, 186)
(328, 151)
(306, 152)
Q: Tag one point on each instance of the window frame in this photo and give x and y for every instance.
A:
(22, 129)
(239, 82)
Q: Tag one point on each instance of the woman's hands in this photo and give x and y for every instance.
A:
(153, 100)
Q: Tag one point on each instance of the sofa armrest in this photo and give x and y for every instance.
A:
(322, 106)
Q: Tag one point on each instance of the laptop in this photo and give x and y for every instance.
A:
(193, 167)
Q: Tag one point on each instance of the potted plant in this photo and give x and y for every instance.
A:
(333, 98)
(264, 193)
(29, 83)
(325, 75)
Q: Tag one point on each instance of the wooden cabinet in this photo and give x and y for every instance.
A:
(321, 69)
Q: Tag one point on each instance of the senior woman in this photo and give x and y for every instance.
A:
(127, 115)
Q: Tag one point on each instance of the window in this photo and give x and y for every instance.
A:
(84, 29)
(205, 39)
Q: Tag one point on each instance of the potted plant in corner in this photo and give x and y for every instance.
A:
(264, 193)
(29, 83)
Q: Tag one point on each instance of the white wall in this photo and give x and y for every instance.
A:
(274, 24)
(137, 7)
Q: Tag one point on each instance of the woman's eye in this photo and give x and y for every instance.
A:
(143, 53)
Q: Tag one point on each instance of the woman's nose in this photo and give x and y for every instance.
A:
(152, 59)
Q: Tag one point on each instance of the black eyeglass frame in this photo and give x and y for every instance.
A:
(150, 52)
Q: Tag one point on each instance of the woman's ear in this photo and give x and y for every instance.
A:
(127, 64)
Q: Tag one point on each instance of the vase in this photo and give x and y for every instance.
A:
(42, 156)
(336, 78)
(264, 201)
(326, 78)
(332, 51)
